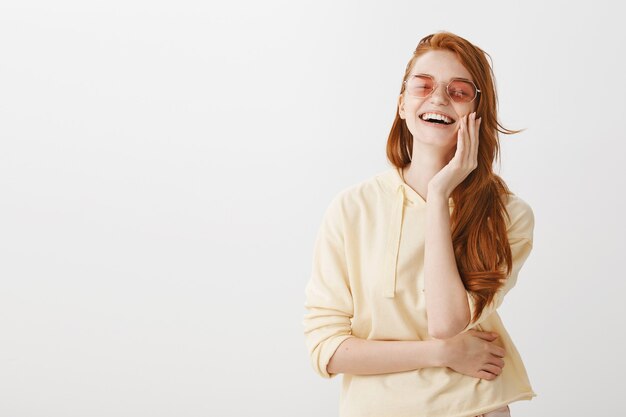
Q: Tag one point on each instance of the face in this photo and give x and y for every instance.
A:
(443, 66)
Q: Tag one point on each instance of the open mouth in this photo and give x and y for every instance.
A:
(435, 118)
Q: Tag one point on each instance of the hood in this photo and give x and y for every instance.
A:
(403, 199)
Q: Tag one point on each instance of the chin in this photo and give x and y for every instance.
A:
(435, 140)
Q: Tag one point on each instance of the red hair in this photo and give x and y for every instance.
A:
(477, 221)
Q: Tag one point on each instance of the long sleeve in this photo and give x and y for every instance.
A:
(367, 283)
(329, 303)
(520, 235)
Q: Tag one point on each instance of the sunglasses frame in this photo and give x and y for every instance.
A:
(436, 85)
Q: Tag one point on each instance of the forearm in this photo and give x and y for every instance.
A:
(446, 299)
(367, 357)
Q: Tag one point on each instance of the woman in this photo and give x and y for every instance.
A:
(410, 265)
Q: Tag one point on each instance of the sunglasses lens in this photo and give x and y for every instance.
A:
(461, 91)
(420, 86)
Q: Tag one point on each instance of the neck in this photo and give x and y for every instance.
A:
(423, 167)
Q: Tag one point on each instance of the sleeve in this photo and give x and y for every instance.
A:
(520, 234)
(329, 305)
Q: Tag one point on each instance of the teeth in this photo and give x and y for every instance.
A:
(427, 116)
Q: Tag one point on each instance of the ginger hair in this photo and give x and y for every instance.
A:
(478, 226)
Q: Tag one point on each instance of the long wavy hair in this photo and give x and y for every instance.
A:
(479, 237)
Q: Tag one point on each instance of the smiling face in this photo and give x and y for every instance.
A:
(443, 65)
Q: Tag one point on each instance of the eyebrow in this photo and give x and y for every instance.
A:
(453, 78)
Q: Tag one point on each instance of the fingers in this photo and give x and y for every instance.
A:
(473, 128)
(490, 371)
(486, 375)
(498, 351)
(499, 362)
(496, 370)
(467, 140)
(460, 139)
(490, 337)
(477, 141)
(464, 140)
(486, 335)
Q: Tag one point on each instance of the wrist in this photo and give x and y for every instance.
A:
(439, 349)
(438, 194)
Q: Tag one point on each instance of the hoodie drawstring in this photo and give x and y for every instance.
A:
(390, 266)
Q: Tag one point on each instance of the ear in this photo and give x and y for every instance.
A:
(401, 106)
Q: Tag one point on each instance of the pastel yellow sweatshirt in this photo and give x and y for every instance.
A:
(367, 281)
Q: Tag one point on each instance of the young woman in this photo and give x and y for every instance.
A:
(410, 265)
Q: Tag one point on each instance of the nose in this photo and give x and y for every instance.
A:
(439, 94)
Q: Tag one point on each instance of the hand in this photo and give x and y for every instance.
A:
(464, 161)
(473, 353)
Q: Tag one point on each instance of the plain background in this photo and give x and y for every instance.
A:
(164, 167)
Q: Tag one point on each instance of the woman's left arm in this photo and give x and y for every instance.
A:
(447, 302)
(446, 299)
(449, 306)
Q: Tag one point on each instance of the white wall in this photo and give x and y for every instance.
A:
(164, 167)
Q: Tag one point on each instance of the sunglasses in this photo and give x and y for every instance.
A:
(458, 89)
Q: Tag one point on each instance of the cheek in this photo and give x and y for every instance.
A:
(463, 110)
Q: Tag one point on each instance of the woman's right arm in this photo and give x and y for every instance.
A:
(367, 357)
(471, 353)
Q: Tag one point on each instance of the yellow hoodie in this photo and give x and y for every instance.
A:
(367, 281)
